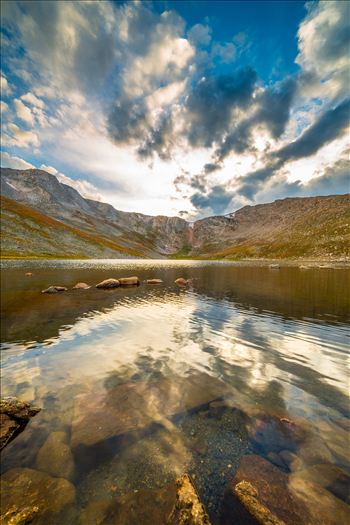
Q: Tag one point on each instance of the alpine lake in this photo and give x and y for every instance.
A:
(138, 385)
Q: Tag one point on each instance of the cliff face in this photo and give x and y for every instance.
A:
(41, 216)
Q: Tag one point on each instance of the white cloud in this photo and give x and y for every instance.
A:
(8, 161)
(23, 112)
(85, 188)
(3, 106)
(5, 87)
(15, 136)
(33, 100)
(49, 169)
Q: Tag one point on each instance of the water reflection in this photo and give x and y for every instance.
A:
(146, 383)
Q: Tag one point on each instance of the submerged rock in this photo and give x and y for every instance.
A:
(25, 490)
(55, 456)
(54, 289)
(271, 490)
(188, 508)
(28, 274)
(108, 283)
(248, 497)
(19, 517)
(129, 281)
(154, 281)
(81, 286)
(14, 415)
(274, 266)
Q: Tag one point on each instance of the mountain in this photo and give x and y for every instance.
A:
(43, 217)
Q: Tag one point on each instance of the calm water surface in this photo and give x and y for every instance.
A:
(139, 385)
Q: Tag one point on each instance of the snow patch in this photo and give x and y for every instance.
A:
(11, 185)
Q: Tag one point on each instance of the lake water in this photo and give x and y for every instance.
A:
(138, 385)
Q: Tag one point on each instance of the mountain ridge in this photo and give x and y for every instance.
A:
(291, 227)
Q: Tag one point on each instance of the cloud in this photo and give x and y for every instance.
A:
(329, 126)
(49, 169)
(217, 201)
(225, 52)
(3, 106)
(33, 100)
(9, 161)
(200, 35)
(23, 112)
(324, 40)
(85, 188)
(15, 136)
(5, 87)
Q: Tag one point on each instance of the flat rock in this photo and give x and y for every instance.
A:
(81, 286)
(55, 456)
(188, 508)
(54, 289)
(133, 406)
(14, 415)
(26, 490)
(129, 281)
(28, 274)
(108, 284)
(154, 281)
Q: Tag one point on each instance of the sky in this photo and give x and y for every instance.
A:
(190, 108)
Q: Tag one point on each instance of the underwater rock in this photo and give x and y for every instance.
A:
(54, 289)
(154, 281)
(55, 456)
(14, 415)
(328, 476)
(272, 488)
(248, 497)
(188, 508)
(108, 283)
(19, 517)
(28, 274)
(25, 490)
(129, 281)
(274, 266)
(81, 286)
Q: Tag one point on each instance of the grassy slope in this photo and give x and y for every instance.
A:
(311, 235)
(24, 228)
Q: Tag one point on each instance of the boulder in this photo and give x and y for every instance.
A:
(27, 490)
(14, 415)
(81, 286)
(28, 274)
(54, 289)
(108, 284)
(19, 517)
(181, 281)
(55, 456)
(154, 281)
(188, 508)
(274, 266)
(129, 281)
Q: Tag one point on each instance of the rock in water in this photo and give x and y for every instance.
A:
(108, 284)
(28, 274)
(24, 490)
(14, 415)
(188, 508)
(154, 281)
(81, 286)
(54, 289)
(248, 497)
(55, 456)
(181, 281)
(129, 281)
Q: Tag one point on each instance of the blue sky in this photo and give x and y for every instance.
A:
(187, 108)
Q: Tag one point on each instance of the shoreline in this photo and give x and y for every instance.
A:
(303, 263)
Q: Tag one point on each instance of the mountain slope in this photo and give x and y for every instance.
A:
(41, 216)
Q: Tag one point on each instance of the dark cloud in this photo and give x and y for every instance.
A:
(127, 120)
(329, 126)
(216, 201)
(158, 140)
(211, 102)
